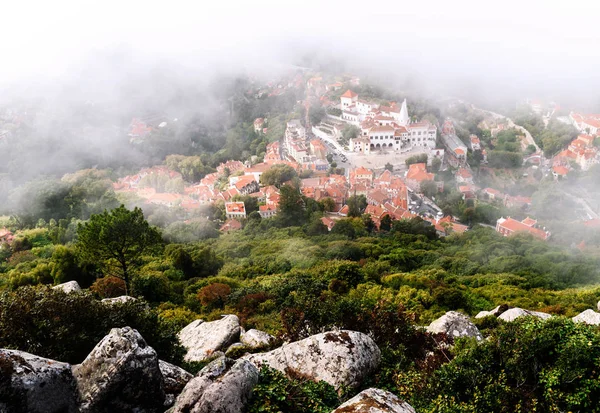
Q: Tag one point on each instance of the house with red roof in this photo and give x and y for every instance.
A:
(267, 211)
(417, 174)
(509, 226)
(6, 236)
(328, 222)
(231, 225)
(377, 197)
(464, 176)
(348, 99)
(522, 202)
(559, 171)
(235, 210)
(232, 166)
(258, 125)
(492, 193)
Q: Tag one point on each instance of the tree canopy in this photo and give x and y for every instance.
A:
(117, 240)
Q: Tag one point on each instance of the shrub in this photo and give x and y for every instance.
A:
(275, 393)
(214, 295)
(66, 327)
(109, 287)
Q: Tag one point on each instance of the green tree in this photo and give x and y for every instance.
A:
(436, 163)
(428, 188)
(349, 132)
(291, 206)
(117, 240)
(356, 205)
(389, 167)
(316, 114)
(386, 223)
(328, 204)
(277, 175)
(421, 158)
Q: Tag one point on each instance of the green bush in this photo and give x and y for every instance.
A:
(275, 393)
(66, 327)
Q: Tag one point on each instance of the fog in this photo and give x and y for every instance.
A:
(539, 47)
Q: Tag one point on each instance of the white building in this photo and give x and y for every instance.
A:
(385, 127)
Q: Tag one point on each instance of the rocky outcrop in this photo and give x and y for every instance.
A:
(455, 325)
(514, 313)
(34, 384)
(120, 374)
(203, 339)
(236, 349)
(589, 317)
(223, 386)
(256, 339)
(341, 358)
(375, 401)
(174, 380)
(495, 312)
(118, 300)
(68, 287)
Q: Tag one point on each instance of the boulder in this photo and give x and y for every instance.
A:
(495, 312)
(455, 325)
(29, 383)
(598, 305)
(68, 287)
(174, 380)
(236, 348)
(514, 313)
(340, 358)
(223, 386)
(120, 374)
(118, 300)
(256, 339)
(589, 317)
(202, 339)
(375, 401)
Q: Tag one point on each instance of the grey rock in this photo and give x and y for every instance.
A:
(223, 386)
(120, 374)
(68, 287)
(495, 312)
(375, 401)
(598, 306)
(174, 380)
(118, 300)
(340, 358)
(202, 339)
(29, 383)
(514, 313)
(256, 339)
(589, 317)
(455, 325)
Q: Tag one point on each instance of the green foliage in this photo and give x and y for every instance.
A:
(117, 239)
(421, 158)
(275, 393)
(335, 111)
(316, 114)
(526, 365)
(504, 159)
(66, 327)
(291, 206)
(356, 205)
(277, 175)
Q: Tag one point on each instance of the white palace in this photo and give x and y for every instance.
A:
(384, 127)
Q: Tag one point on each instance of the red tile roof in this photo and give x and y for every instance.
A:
(349, 94)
